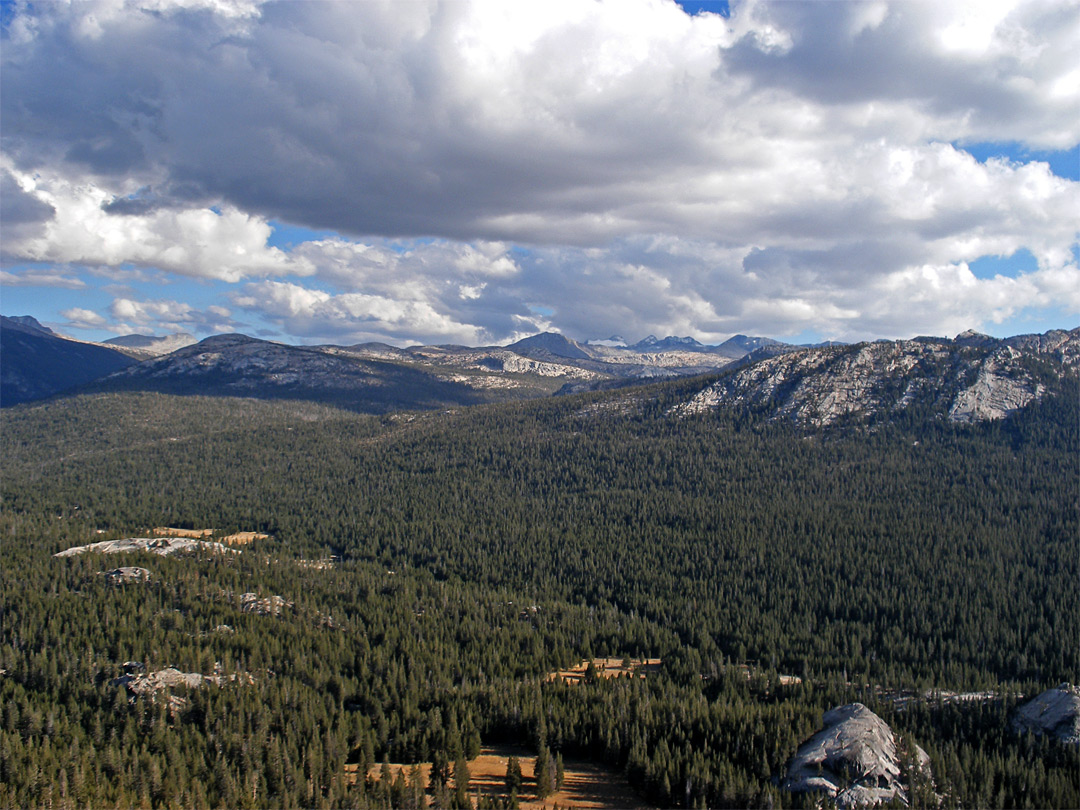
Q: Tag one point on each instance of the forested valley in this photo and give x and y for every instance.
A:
(435, 567)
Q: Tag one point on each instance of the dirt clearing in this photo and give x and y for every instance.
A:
(585, 784)
(608, 668)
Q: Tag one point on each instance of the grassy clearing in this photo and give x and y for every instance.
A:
(243, 538)
(585, 784)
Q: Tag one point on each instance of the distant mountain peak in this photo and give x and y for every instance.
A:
(225, 341)
(670, 343)
(38, 363)
(28, 322)
(746, 343)
(969, 337)
(152, 344)
(551, 343)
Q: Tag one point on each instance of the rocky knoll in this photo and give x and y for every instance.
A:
(168, 678)
(853, 760)
(1055, 712)
(165, 680)
(972, 379)
(263, 606)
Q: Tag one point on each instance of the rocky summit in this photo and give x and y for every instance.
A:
(1055, 712)
(854, 760)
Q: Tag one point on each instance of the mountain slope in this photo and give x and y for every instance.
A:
(238, 365)
(964, 380)
(35, 363)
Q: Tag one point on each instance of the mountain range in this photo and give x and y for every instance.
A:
(368, 377)
(973, 377)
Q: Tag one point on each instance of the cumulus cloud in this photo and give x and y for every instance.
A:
(168, 316)
(623, 166)
(160, 317)
(80, 318)
(22, 215)
(356, 317)
(217, 243)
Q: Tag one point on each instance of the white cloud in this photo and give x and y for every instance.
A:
(622, 165)
(200, 242)
(357, 317)
(41, 278)
(159, 317)
(79, 318)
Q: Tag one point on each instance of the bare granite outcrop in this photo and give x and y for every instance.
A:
(997, 391)
(853, 760)
(263, 606)
(1055, 712)
(156, 545)
(164, 680)
(125, 574)
(975, 378)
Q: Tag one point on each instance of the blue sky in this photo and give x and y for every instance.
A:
(800, 170)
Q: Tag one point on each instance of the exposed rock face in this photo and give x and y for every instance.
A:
(162, 679)
(1055, 711)
(119, 576)
(975, 378)
(853, 760)
(1057, 344)
(169, 678)
(264, 606)
(158, 545)
(997, 392)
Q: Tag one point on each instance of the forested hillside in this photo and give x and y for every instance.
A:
(477, 550)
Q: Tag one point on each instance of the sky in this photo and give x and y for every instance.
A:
(476, 172)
